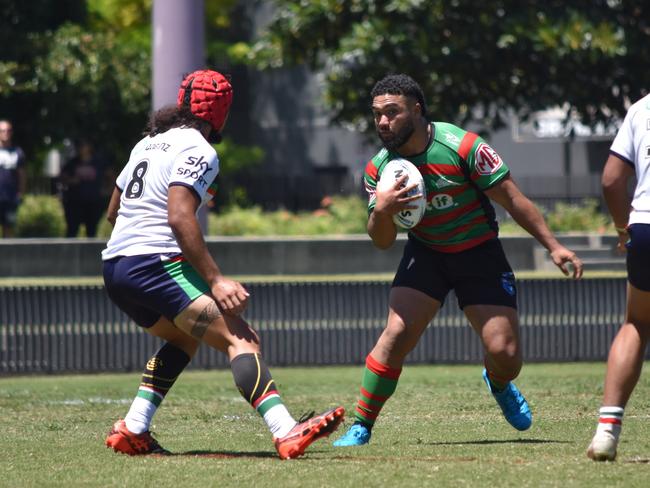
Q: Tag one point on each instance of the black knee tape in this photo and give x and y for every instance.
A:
(252, 377)
(163, 368)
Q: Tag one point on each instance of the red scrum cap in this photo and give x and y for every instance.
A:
(208, 94)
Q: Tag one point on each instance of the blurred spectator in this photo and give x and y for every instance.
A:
(13, 179)
(83, 180)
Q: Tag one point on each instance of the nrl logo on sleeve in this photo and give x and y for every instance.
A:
(452, 139)
(487, 160)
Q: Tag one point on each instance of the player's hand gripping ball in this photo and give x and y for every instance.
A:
(394, 169)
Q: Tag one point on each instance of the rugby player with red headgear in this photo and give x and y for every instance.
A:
(158, 270)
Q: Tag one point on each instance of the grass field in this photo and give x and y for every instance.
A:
(442, 428)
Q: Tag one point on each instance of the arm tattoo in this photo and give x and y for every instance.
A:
(205, 318)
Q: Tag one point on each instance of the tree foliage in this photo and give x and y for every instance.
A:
(83, 69)
(474, 60)
(78, 70)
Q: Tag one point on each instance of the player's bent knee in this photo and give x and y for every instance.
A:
(241, 335)
(170, 333)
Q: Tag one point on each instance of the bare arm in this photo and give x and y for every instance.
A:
(381, 228)
(615, 177)
(507, 194)
(113, 206)
(181, 207)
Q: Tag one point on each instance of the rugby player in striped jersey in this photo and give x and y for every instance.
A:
(454, 246)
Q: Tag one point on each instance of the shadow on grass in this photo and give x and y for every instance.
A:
(492, 441)
(226, 454)
(637, 460)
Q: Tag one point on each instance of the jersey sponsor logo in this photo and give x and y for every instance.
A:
(201, 168)
(440, 202)
(194, 175)
(443, 182)
(199, 163)
(487, 160)
(452, 139)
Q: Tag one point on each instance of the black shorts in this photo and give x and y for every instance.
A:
(8, 212)
(479, 276)
(151, 286)
(638, 256)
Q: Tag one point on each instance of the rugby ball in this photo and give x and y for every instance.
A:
(394, 169)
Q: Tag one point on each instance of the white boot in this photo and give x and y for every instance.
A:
(603, 447)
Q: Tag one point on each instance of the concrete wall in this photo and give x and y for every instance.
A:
(235, 255)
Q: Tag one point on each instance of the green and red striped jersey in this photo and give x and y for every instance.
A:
(457, 166)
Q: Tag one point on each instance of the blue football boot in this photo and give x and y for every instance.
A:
(513, 405)
(357, 435)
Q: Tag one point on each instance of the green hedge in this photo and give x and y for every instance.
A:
(583, 217)
(42, 216)
(348, 215)
(339, 215)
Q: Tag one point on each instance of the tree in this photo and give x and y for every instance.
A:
(78, 70)
(83, 69)
(474, 60)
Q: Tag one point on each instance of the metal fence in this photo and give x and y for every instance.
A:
(77, 328)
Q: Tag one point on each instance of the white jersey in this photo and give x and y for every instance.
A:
(180, 156)
(632, 145)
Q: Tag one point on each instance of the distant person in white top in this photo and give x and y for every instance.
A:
(158, 270)
(13, 179)
(629, 155)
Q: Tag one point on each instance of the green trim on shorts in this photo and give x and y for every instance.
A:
(187, 278)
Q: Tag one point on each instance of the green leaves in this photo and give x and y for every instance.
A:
(494, 55)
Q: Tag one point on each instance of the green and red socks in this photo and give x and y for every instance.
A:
(158, 377)
(610, 421)
(378, 383)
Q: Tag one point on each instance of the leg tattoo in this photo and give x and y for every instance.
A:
(205, 318)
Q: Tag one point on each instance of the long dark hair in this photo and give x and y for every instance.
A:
(172, 116)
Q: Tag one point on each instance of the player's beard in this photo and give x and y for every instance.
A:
(399, 138)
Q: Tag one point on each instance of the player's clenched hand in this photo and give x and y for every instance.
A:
(230, 295)
(563, 256)
(395, 198)
(623, 239)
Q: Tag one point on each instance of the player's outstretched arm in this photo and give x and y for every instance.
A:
(507, 194)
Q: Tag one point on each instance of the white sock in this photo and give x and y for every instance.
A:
(140, 414)
(279, 420)
(610, 421)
